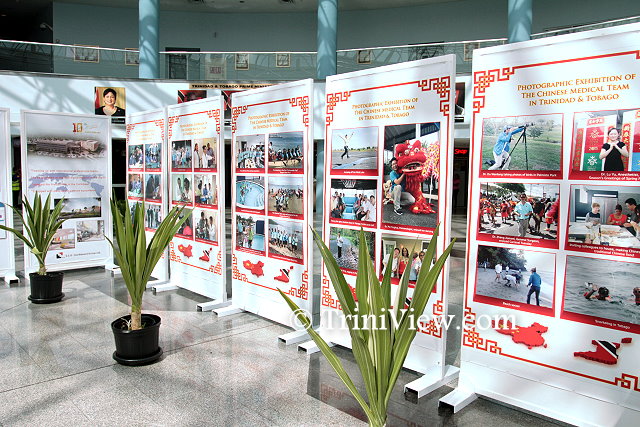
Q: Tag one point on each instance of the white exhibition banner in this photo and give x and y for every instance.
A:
(196, 157)
(272, 196)
(69, 156)
(553, 227)
(7, 261)
(392, 122)
(147, 173)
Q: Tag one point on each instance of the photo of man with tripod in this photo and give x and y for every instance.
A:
(501, 149)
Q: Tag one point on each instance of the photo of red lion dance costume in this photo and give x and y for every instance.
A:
(417, 164)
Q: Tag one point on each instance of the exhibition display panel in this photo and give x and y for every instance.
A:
(554, 224)
(272, 196)
(195, 155)
(69, 156)
(147, 173)
(388, 157)
(8, 261)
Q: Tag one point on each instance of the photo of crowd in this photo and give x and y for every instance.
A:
(516, 275)
(204, 153)
(604, 215)
(205, 191)
(602, 288)
(285, 238)
(250, 152)
(135, 185)
(152, 190)
(404, 253)
(354, 199)
(343, 244)
(206, 223)
(153, 156)
(250, 192)
(522, 210)
(286, 150)
(286, 194)
(250, 232)
(181, 155)
(136, 156)
(181, 188)
(354, 149)
(152, 216)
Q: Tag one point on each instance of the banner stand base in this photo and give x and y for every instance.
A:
(294, 337)
(310, 347)
(431, 380)
(10, 277)
(161, 286)
(212, 305)
(457, 399)
(228, 310)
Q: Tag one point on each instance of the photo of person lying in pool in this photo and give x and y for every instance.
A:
(250, 192)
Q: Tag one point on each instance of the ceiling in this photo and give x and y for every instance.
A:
(27, 7)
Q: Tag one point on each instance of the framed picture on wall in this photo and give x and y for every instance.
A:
(283, 60)
(364, 57)
(86, 54)
(242, 61)
(131, 56)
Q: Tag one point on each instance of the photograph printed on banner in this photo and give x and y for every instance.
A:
(65, 238)
(181, 155)
(206, 225)
(250, 232)
(354, 149)
(152, 157)
(191, 95)
(136, 156)
(411, 175)
(354, 200)
(286, 151)
(343, 243)
(205, 191)
(250, 153)
(285, 238)
(152, 190)
(132, 209)
(606, 141)
(181, 188)
(604, 215)
(522, 143)
(89, 231)
(250, 192)
(204, 154)
(602, 288)
(522, 276)
(152, 216)
(519, 210)
(135, 185)
(110, 101)
(64, 147)
(186, 229)
(399, 250)
(286, 195)
(459, 101)
(80, 207)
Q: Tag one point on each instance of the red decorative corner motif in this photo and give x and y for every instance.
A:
(303, 291)
(332, 100)
(235, 112)
(627, 381)
(483, 79)
(442, 86)
(160, 124)
(129, 128)
(236, 274)
(434, 328)
(215, 114)
(471, 338)
(172, 254)
(171, 121)
(303, 103)
(218, 268)
(326, 295)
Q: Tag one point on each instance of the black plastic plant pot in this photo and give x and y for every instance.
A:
(46, 289)
(136, 348)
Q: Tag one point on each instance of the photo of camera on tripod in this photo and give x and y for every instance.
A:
(522, 143)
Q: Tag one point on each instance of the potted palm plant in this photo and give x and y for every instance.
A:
(136, 335)
(40, 224)
(380, 348)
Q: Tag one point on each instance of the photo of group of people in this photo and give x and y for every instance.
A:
(343, 244)
(286, 238)
(153, 157)
(206, 225)
(152, 216)
(204, 154)
(250, 153)
(152, 188)
(181, 155)
(355, 151)
(286, 152)
(286, 196)
(250, 192)
(522, 143)
(519, 210)
(136, 156)
(405, 254)
(605, 215)
(205, 191)
(411, 175)
(250, 232)
(181, 188)
(516, 275)
(134, 188)
(354, 200)
(600, 288)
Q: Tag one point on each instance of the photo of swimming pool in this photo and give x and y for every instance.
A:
(250, 192)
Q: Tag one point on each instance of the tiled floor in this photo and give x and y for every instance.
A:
(56, 367)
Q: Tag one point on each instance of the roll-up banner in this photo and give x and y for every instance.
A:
(196, 158)
(147, 173)
(272, 196)
(7, 261)
(393, 123)
(69, 156)
(552, 293)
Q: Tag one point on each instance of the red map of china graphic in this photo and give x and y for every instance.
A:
(606, 351)
(531, 336)
(255, 269)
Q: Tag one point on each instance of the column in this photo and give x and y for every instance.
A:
(326, 60)
(148, 13)
(519, 20)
